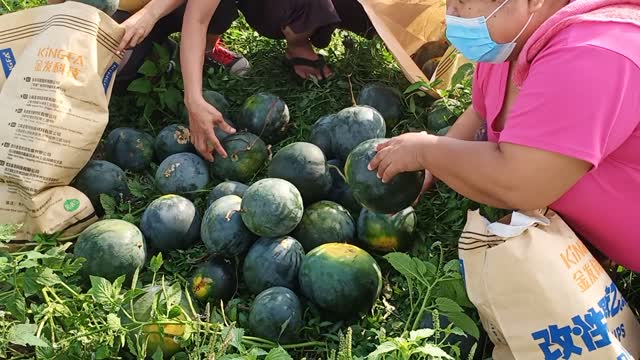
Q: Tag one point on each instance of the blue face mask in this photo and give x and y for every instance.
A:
(471, 37)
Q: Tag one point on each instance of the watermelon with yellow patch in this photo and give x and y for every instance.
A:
(213, 281)
(385, 233)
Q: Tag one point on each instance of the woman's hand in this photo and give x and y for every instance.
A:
(400, 154)
(137, 27)
(202, 119)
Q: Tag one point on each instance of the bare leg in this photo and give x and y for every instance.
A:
(299, 46)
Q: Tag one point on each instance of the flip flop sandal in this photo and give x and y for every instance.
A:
(319, 64)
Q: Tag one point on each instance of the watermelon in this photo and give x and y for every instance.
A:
(171, 222)
(213, 281)
(276, 315)
(430, 50)
(173, 139)
(129, 148)
(465, 343)
(163, 337)
(101, 177)
(218, 101)
(108, 6)
(272, 207)
(226, 188)
(443, 131)
(340, 279)
(273, 262)
(386, 233)
(324, 222)
(246, 155)
(353, 125)
(340, 191)
(370, 191)
(266, 115)
(182, 173)
(385, 99)
(441, 114)
(304, 165)
(223, 232)
(321, 134)
(111, 248)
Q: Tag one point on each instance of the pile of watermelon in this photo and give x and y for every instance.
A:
(297, 228)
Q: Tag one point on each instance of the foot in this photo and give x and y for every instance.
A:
(232, 61)
(304, 71)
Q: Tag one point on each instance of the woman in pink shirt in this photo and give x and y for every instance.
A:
(560, 105)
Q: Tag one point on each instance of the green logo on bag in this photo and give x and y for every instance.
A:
(71, 205)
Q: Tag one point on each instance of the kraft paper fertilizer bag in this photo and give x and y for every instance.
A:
(412, 28)
(57, 66)
(541, 294)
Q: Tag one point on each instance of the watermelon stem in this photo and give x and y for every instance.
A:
(353, 99)
(231, 212)
(338, 170)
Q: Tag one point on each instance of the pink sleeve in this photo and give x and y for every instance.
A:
(580, 101)
(477, 93)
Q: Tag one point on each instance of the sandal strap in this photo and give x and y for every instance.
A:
(297, 61)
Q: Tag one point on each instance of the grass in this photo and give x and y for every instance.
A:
(441, 213)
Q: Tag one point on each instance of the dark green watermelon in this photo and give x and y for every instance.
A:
(218, 101)
(340, 191)
(223, 232)
(101, 177)
(129, 148)
(443, 131)
(340, 279)
(111, 248)
(272, 207)
(213, 281)
(304, 165)
(171, 222)
(226, 188)
(353, 125)
(276, 315)
(370, 191)
(385, 99)
(221, 134)
(465, 343)
(321, 135)
(173, 139)
(182, 173)
(246, 155)
(441, 114)
(273, 262)
(108, 6)
(324, 222)
(386, 233)
(265, 115)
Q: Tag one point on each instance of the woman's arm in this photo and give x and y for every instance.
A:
(202, 116)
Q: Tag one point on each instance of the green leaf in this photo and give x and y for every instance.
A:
(415, 86)
(29, 282)
(462, 73)
(15, 303)
(72, 266)
(452, 266)
(114, 322)
(8, 231)
(108, 204)
(403, 264)
(102, 353)
(101, 290)
(175, 311)
(158, 355)
(448, 306)
(161, 51)
(25, 334)
(48, 278)
(172, 97)
(255, 352)
(421, 334)
(433, 351)
(141, 85)
(464, 322)
(385, 347)
(156, 263)
(148, 68)
(278, 354)
(137, 188)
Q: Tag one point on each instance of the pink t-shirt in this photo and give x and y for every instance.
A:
(581, 99)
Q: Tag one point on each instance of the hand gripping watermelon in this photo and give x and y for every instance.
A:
(385, 233)
(246, 155)
(370, 191)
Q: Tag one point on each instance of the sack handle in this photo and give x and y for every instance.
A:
(519, 223)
